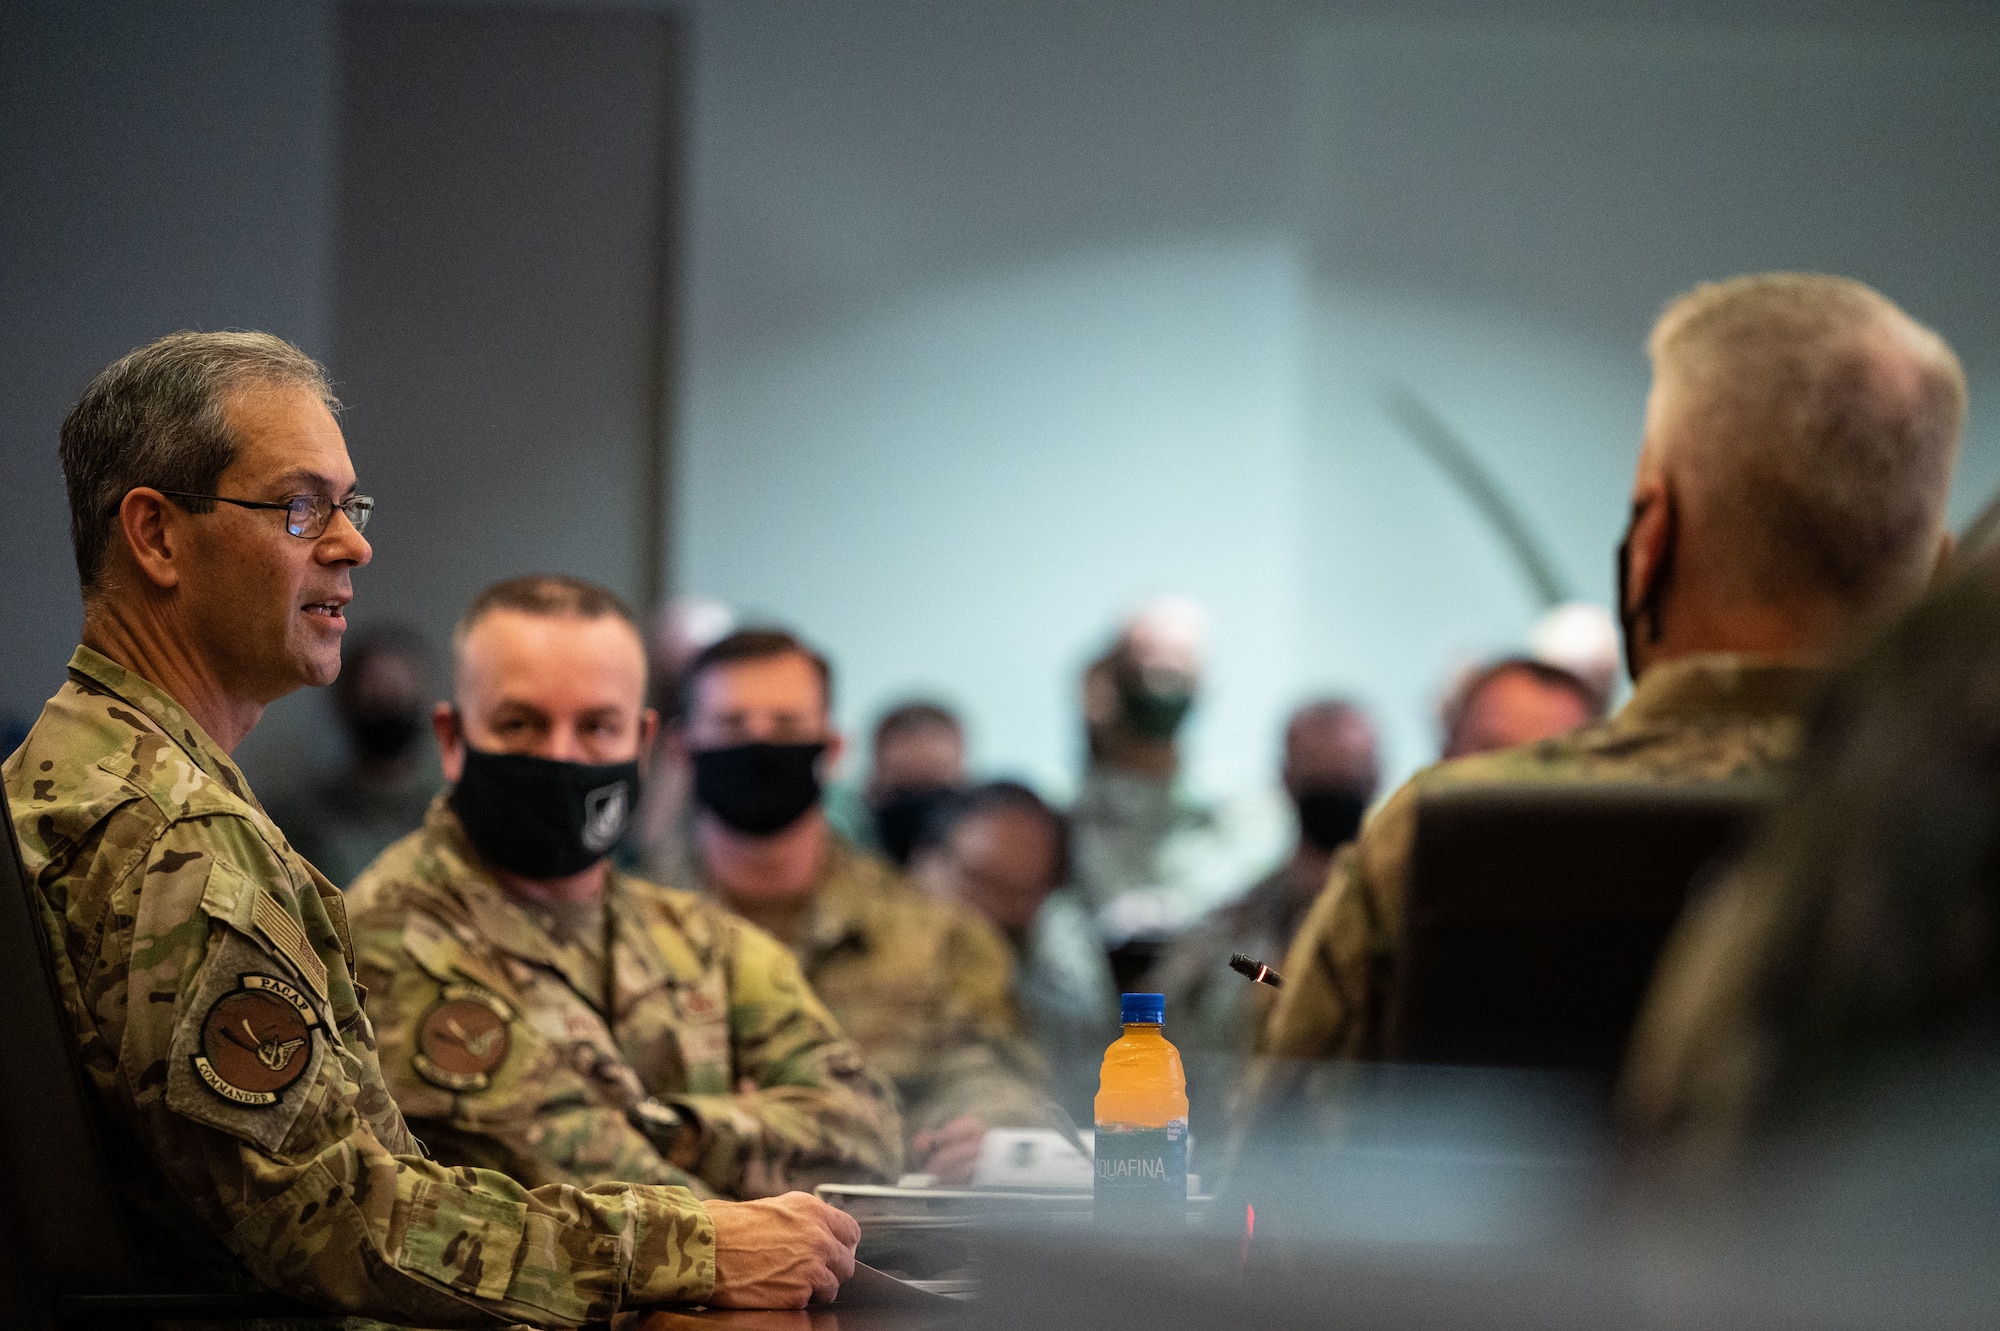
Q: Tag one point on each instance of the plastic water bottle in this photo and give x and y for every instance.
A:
(1142, 1123)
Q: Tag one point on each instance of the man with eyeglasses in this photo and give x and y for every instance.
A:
(207, 967)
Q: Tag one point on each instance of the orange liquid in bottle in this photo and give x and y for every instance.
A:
(1142, 1122)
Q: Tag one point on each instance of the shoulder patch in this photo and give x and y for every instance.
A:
(284, 933)
(463, 1038)
(254, 1041)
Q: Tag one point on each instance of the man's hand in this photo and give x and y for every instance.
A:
(780, 1252)
(949, 1153)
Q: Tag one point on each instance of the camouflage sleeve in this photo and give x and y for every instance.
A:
(253, 1083)
(982, 1062)
(1337, 968)
(806, 1111)
(1697, 1060)
(534, 1115)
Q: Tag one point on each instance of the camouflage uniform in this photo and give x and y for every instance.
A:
(703, 1001)
(206, 968)
(1694, 719)
(925, 988)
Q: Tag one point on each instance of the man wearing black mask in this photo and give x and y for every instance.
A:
(1153, 853)
(1789, 495)
(924, 987)
(382, 701)
(1331, 771)
(543, 1014)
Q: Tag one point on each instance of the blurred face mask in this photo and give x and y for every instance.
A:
(1155, 702)
(906, 813)
(758, 789)
(541, 817)
(1329, 816)
(383, 736)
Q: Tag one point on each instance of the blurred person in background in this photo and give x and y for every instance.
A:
(916, 778)
(382, 702)
(1511, 702)
(1005, 854)
(924, 987)
(1331, 771)
(487, 942)
(680, 630)
(1149, 855)
(1582, 638)
(1854, 950)
(1798, 451)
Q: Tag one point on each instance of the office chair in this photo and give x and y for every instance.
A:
(1535, 915)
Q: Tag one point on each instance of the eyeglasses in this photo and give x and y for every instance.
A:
(306, 516)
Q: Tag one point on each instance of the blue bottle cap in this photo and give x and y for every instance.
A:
(1149, 1009)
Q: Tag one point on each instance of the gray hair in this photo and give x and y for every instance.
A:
(1821, 425)
(156, 417)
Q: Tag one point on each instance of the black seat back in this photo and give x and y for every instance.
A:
(67, 1239)
(69, 1225)
(1535, 915)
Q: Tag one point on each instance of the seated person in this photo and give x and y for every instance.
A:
(540, 1013)
(1799, 446)
(925, 988)
(1330, 771)
(1005, 854)
(1514, 701)
(208, 969)
(1151, 852)
(382, 701)
(916, 777)
(1854, 947)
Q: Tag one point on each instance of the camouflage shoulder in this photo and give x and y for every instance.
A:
(1562, 758)
(383, 891)
(706, 922)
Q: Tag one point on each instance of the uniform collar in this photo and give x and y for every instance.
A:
(102, 673)
(842, 911)
(1718, 684)
(468, 881)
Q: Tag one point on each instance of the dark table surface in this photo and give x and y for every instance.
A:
(803, 1319)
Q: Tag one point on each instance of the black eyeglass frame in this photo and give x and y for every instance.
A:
(301, 510)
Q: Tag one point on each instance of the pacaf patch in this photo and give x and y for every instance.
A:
(463, 1038)
(256, 1041)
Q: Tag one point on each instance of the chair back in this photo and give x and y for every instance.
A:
(1536, 913)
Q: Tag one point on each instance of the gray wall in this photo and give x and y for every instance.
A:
(161, 167)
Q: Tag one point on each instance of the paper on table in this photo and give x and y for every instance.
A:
(870, 1288)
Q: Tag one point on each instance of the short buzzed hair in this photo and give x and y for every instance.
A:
(1821, 425)
(751, 644)
(914, 716)
(547, 595)
(156, 417)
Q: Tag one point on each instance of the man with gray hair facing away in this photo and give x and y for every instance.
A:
(1799, 445)
(207, 968)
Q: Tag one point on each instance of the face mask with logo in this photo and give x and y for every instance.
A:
(758, 789)
(541, 817)
(1329, 816)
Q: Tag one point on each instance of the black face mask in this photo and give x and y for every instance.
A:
(1329, 816)
(1646, 615)
(911, 816)
(1154, 703)
(757, 789)
(542, 818)
(383, 736)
